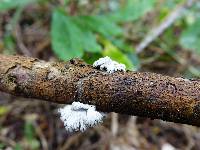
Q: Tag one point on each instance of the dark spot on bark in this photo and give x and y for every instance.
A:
(97, 67)
(82, 65)
(128, 81)
(192, 79)
(91, 87)
(12, 78)
(197, 110)
(152, 99)
(94, 137)
(138, 93)
(172, 86)
(152, 84)
(104, 68)
(72, 61)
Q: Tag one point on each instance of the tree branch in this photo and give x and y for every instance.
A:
(134, 93)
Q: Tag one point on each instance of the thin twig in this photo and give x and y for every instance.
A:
(177, 13)
(7, 141)
(41, 136)
(114, 124)
(23, 49)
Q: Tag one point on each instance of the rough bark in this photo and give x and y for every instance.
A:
(134, 93)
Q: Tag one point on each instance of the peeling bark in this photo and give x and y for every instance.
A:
(134, 93)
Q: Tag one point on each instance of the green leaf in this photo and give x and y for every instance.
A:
(66, 37)
(30, 135)
(89, 39)
(9, 4)
(190, 37)
(135, 60)
(89, 42)
(90, 58)
(99, 24)
(132, 10)
(9, 45)
(121, 43)
(2, 145)
(18, 147)
(34, 144)
(29, 131)
(4, 110)
(127, 48)
(115, 54)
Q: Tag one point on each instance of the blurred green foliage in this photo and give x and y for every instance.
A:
(4, 110)
(30, 135)
(190, 37)
(9, 4)
(131, 10)
(9, 44)
(2, 145)
(74, 35)
(18, 147)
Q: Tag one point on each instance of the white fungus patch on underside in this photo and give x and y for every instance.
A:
(79, 116)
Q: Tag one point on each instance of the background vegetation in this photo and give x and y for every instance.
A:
(58, 30)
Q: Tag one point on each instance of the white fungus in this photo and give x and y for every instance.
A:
(168, 146)
(79, 116)
(109, 65)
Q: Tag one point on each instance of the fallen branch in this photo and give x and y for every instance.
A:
(134, 93)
